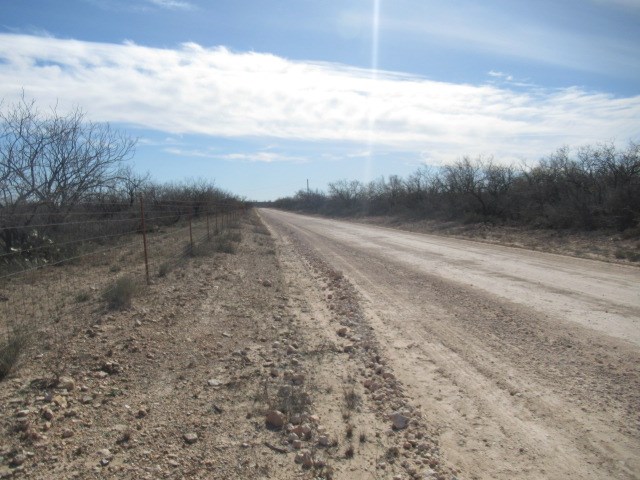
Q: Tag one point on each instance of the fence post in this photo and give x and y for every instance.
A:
(190, 230)
(208, 231)
(144, 241)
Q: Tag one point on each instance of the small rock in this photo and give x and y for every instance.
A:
(307, 459)
(22, 424)
(111, 367)
(297, 444)
(67, 433)
(226, 335)
(105, 452)
(298, 379)
(67, 383)
(22, 413)
(60, 401)
(306, 430)
(275, 419)
(214, 382)
(342, 331)
(190, 438)
(399, 421)
(18, 460)
(267, 283)
(323, 440)
(5, 472)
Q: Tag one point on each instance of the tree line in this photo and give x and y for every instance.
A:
(588, 188)
(58, 169)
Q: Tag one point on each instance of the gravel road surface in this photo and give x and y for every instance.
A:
(528, 363)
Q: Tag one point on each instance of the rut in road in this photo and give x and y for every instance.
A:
(518, 392)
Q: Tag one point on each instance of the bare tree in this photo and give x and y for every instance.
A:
(50, 163)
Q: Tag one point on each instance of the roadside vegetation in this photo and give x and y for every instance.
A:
(60, 173)
(590, 188)
(70, 202)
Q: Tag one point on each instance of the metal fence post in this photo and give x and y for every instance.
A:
(144, 241)
(190, 230)
(208, 230)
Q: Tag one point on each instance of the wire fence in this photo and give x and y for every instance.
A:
(53, 263)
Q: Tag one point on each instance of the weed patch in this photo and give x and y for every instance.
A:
(120, 294)
(12, 345)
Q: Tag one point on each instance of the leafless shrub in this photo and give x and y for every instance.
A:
(164, 269)
(82, 297)
(121, 292)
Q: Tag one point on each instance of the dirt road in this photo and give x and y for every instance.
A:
(527, 363)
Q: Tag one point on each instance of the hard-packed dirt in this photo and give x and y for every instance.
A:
(256, 364)
(611, 246)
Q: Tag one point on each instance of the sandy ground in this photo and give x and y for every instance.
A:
(526, 364)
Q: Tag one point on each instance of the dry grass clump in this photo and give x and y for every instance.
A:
(121, 292)
(226, 242)
(352, 399)
(12, 345)
(260, 229)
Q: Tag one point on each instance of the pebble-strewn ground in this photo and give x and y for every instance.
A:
(258, 364)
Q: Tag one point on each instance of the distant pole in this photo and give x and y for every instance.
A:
(144, 241)
(190, 230)
(208, 230)
(307, 186)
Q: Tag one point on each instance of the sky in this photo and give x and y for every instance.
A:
(260, 96)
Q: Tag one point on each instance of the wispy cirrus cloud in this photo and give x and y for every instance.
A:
(255, 156)
(143, 5)
(219, 93)
(173, 4)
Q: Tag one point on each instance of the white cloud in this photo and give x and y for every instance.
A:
(500, 75)
(172, 4)
(260, 156)
(216, 92)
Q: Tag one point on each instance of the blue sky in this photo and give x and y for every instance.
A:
(261, 95)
